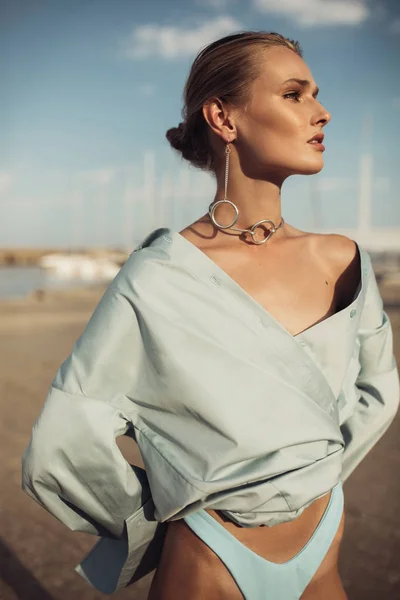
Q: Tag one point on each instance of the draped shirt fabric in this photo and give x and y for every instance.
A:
(230, 411)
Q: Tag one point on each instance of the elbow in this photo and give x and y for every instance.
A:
(392, 395)
(393, 406)
(47, 460)
(380, 393)
(27, 476)
(47, 481)
(391, 399)
(36, 474)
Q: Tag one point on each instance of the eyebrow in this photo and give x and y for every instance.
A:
(302, 82)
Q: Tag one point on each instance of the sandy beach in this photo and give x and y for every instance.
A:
(38, 554)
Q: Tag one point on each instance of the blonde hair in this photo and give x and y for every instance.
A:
(224, 69)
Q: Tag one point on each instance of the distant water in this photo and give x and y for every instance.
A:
(19, 281)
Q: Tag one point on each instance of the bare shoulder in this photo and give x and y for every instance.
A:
(339, 251)
(336, 252)
(342, 260)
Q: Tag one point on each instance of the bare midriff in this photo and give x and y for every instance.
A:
(281, 542)
(189, 567)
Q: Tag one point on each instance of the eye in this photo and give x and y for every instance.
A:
(296, 94)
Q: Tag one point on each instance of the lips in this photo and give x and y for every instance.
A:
(318, 138)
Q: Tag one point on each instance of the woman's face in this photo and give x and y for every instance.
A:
(274, 127)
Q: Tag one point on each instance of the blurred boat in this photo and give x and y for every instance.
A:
(79, 266)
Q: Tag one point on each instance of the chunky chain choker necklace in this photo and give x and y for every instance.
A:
(272, 228)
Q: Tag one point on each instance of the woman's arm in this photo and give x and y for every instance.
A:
(73, 466)
(377, 382)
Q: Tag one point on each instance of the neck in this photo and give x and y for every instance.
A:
(255, 199)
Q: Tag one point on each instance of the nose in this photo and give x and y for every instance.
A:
(322, 119)
(325, 117)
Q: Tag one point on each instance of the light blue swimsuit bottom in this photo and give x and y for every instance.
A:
(260, 579)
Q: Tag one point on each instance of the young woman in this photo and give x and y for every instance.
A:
(251, 361)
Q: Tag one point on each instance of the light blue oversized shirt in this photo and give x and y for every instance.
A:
(230, 411)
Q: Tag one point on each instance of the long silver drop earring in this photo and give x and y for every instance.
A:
(252, 230)
(213, 206)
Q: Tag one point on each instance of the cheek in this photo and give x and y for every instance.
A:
(274, 133)
(285, 121)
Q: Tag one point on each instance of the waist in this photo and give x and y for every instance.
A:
(280, 542)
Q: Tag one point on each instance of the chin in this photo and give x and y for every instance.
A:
(312, 169)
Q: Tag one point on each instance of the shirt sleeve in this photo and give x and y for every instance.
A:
(74, 468)
(377, 382)
(72, 465)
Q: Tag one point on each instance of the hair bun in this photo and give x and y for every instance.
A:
(175, 136)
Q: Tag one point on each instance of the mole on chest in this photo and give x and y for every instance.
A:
(297, 298)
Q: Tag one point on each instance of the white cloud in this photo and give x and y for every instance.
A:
(97, 176)
(395, 26)
(170, 42)
(6, 181)
(308, 13)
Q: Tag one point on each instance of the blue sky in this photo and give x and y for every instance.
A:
(89, 88)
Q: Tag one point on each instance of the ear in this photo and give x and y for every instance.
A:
(221, 118)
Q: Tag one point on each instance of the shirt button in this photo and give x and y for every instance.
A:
(302, 343)
(263, 323)
(215, 280)
(167, 239)
(353, 312)
(305, 367)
